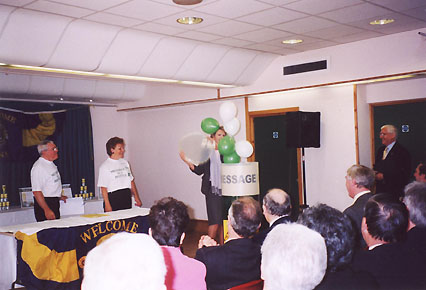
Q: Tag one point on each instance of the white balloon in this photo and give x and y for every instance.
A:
(227, 111)
(232, 127)
(197, 147)
(244, 148)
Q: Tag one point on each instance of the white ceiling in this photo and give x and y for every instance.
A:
(250, 24)
(236, 41)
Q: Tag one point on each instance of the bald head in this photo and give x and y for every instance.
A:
(276, 203)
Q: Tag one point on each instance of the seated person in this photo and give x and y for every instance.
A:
(420, 173)
(337, 231)
(168, 219)
(276, 209)
(293, 257)
(238, 260)
(384, 225)
(125, 261)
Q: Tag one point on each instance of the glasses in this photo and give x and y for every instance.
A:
(54, 149)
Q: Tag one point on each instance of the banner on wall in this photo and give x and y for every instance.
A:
(20, 132)
(54, 258)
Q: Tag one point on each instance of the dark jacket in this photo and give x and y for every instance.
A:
(260, 236)
(234, 263)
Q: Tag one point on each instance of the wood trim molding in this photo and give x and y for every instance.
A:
(218, 98)
(373, 151)
(356, 123)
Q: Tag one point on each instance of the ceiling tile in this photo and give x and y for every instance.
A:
(357, 36)
(92, 4)
(261, 47)
(207, 20)
(306, 24)
(278, 2)
(286, 51)
(272, 16)
(229, 28)
(5, 11)
(233, 8)
(170, 2)
(419, 13)
(399, 5)
(320, 6)
(144, 10)
(404, 27)
(198, 36)
(159, 28)
(355, 13)
(333, 32)
(316, 45)
(108, 18)
(261, 35)
(400, 20)
(58, 8)
(232, 42)
(16, 3)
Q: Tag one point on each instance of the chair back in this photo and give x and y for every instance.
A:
(252, 285)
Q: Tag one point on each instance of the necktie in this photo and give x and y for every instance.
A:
(385, 153)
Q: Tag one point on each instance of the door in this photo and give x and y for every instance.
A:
(278, 164)
(410, 120)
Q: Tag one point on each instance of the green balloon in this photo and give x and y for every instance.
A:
(226, 145)
(209, 125)
(231, 158)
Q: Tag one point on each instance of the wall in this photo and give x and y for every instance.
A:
(106, 123)
(325, 166)
(153, 139)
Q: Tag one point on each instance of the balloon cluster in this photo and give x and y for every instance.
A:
(232, 151)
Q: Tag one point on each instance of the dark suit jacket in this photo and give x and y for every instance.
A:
(355, 212)
(260, 236)
(347, 279)
(234, 263)
(204, 169)
(387, 264)
(396, 169)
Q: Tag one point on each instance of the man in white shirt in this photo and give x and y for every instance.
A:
(359, 183)
(46, 183)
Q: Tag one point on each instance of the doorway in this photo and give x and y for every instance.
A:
(279, 165)
(410, 120)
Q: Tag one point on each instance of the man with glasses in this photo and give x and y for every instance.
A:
(46, 183)
(393, 163)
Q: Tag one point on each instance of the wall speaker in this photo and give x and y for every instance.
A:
(303, 129)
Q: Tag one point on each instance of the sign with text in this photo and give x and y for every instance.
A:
(240, 179)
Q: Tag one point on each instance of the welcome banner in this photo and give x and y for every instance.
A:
(54, 258)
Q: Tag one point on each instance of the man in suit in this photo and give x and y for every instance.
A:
(384, 225)
(238, 260)
(414, 248)
(392, 164)
(359, 183)
(276, 209)
(420, 173)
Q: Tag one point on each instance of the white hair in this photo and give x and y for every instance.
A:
(391, 129)
(43, 146)
(293, 257)
(125, 261)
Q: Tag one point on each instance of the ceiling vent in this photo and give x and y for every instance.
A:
(305, 67)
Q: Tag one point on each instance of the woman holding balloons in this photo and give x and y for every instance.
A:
(211, 185)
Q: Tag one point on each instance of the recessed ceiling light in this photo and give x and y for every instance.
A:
(382, 21)
(189, 20)
(61, 99)
(187, 2)
(292, 41)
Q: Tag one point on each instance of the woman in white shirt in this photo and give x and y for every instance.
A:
(116, 180)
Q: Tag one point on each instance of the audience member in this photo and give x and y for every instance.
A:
(392, 163)
(384, 225)
(276, 209)
(359, 184)
(336, 229)
(420, 173)
(125, 261)
(414, 248)
(168, 219)
(293, 257)
(238, 260)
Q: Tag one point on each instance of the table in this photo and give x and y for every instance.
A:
(72, 226)
(17, 215)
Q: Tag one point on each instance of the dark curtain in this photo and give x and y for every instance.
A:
(73, 137)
